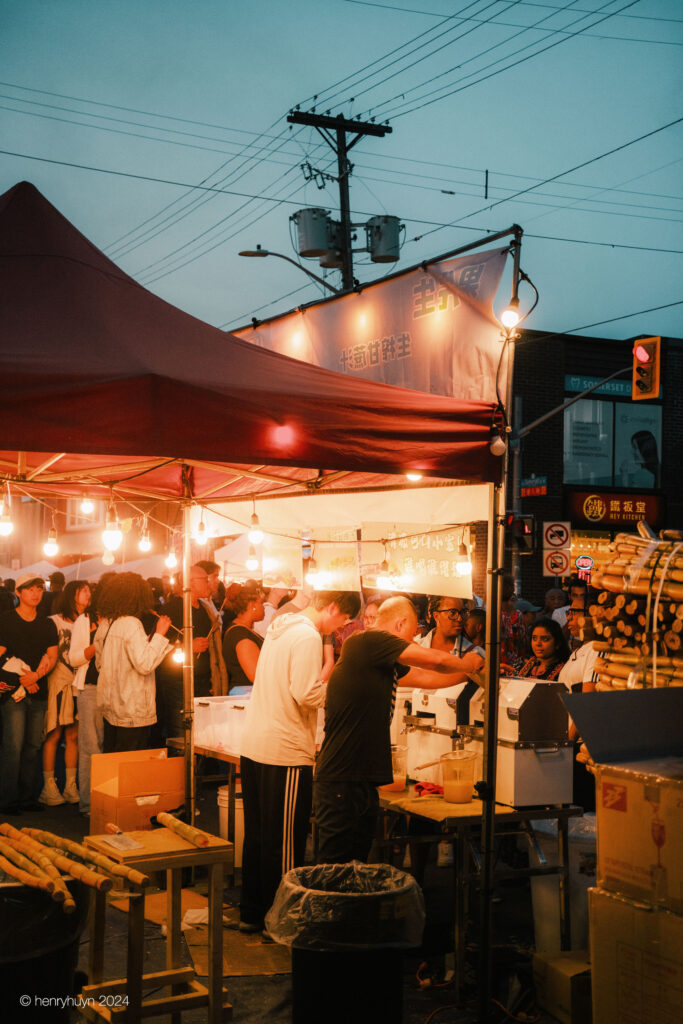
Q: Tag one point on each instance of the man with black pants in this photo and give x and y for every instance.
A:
(33, 641)
(356, 753)
(278, 747)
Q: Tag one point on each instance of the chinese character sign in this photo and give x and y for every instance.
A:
(413, 560)
(431, 330)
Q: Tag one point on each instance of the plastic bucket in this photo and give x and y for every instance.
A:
(223, 794)
(457, 771)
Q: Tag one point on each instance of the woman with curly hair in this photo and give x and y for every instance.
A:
(241, 644)
(126, 660)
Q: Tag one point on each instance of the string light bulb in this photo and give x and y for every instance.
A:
(108, 558)
(87, 506)
(112, 534)
(252, 562)
(201, 535)
(170, 561)
(510, 316)
(6, 524)
(51, 547)
(463, 566)
(145, 544)
(312, 572)
(255, 531)
(178, 653)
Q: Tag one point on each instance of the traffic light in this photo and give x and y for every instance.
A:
(645, 369)
(520, 534)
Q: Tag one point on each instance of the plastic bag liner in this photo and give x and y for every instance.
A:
(351, 906)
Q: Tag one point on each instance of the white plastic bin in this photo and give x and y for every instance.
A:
(545, 889)
(219, 722)
(239, 821)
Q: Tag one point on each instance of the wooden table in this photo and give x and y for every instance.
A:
(459, 824)
(123, 998)
(232, 761)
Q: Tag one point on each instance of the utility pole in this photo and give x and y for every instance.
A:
(334, 131)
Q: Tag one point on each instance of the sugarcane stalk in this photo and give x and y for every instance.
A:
(34, 881)
(8, 851)
(112, 867)
(76, 869)
(189, 832)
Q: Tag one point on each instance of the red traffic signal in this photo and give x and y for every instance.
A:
(645, 381)
(519, 533)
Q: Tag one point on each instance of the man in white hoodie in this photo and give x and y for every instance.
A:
(278, 747)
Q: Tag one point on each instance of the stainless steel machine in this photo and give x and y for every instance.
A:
(535, 754)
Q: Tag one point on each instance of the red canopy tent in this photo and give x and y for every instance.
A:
(102, 380)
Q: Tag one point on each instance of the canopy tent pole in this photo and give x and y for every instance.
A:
(188, 657)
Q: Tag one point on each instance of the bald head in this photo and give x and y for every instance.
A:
(397, 615)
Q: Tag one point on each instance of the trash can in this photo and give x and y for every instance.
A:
(347, 926)
(39, 951)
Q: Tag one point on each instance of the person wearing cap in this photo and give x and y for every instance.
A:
(32, 642)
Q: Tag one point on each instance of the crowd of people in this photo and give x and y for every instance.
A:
(91, 666)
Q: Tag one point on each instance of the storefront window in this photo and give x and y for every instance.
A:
(612, 444)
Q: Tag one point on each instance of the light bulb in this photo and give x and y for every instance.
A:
(252, 562)
(178, 654)
(6, 524)
(510, 316)
(108, 558)
(255, 533)
(112, 535)
(51, 547)
(171, 561)
(200, 534)
(87, 506)
(145, 543)
(413, 476)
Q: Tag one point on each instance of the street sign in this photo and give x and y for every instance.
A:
(533, 486)
(555, 563)
(556, 535)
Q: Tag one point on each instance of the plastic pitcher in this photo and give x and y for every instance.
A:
(457, 772)
(399, 758)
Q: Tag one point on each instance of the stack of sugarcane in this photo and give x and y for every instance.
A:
(46, 861)
(639, 616)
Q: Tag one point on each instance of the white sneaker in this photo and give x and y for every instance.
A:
(50, 794)
(71, 794)
(444, 855)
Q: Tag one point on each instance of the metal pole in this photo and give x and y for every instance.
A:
(188, 659)
(516, 451)
(345, 211)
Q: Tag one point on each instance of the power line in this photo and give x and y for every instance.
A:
(554, 177)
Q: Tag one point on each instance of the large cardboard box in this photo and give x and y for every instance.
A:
(563, 985)
(637, 961)
(640, 830)
(130, 788)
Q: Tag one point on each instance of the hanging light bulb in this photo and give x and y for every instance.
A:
(87, 506)
(170, 561)
(200, 534)
(145, 543)
(108, 558)
(255, 532)
(51, 547)
(178, 653)
(312, 572)
(463, 566)
(112, 535)
(252, 562)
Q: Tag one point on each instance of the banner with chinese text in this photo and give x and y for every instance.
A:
(419, 562)
(431, 330)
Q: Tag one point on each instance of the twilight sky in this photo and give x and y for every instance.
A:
(572, 106)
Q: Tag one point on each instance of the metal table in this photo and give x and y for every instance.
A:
(461, 824)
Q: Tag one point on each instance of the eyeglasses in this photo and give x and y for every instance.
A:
(452, 613)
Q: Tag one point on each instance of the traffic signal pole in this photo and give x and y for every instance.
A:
(334, 131)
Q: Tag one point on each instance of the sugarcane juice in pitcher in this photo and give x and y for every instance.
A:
(457, 772)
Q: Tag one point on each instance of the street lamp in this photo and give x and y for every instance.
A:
(258, 251)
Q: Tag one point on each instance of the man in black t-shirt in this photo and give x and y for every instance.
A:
(33, 641)
(356, 752)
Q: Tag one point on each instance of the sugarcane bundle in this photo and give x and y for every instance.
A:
(639, 613)
(110, 867)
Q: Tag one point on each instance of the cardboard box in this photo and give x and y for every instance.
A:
(563, 985)
(637, 961)
(130, 788)
(640, 830)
